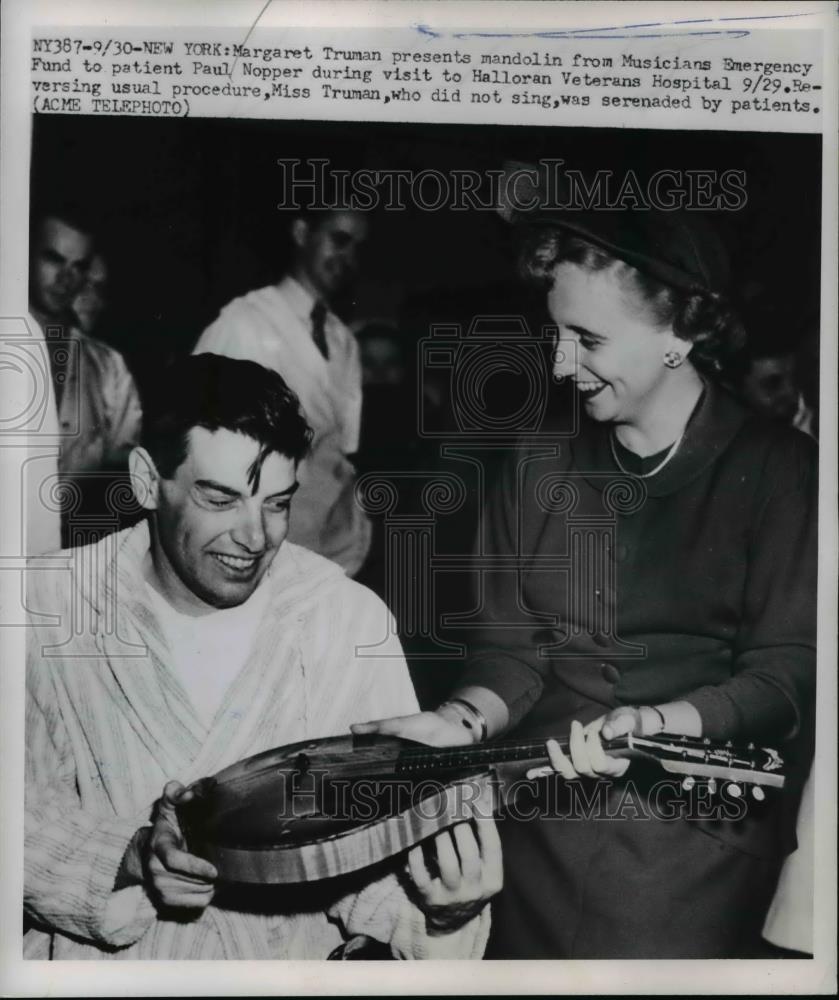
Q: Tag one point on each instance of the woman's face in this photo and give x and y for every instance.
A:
(609, 343)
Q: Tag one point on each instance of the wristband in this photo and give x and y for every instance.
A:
(660, 714)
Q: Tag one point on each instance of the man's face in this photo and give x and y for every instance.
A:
(381, 362)
(770, 387)
(60, 256)
(328, 251)
(215, 535)
(89, 303)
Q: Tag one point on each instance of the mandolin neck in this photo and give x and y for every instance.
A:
(501, 752)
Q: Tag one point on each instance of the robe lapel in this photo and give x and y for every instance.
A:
(267, 704)
(143, 686)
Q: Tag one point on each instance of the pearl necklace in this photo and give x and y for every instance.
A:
(645, 475)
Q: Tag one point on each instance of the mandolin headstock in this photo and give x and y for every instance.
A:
(712, 762)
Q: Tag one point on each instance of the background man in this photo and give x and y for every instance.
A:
(291, 328)
(96, 400)
(92, 298)
(206, 638)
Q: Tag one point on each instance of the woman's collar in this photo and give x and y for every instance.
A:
(716, 420)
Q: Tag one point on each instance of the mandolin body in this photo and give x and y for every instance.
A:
(326, 807)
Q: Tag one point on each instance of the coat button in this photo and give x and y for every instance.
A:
(549, 636)
(610, 673)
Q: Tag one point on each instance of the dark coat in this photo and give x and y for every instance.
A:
(698, 583)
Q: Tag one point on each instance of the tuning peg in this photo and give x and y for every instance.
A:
(735, 791)
(706, 741)
(758, 793)
(688, 782)
(750, 747)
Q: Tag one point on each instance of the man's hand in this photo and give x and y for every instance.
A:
(431, 728)
(175, 877)
(460, 875)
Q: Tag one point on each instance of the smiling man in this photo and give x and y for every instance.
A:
(182, 645)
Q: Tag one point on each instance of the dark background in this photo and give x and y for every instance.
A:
(188, 214)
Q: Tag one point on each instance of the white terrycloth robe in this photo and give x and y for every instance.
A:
(273, 327)
(108, 723)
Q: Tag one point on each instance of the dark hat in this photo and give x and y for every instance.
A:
(679, 248)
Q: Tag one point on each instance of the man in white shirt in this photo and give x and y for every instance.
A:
(92, 391)
(175, 648)
(290, 327)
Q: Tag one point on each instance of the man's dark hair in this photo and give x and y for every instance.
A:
(214, 392)
(67, 210)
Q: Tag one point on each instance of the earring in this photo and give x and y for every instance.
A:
(672, 359)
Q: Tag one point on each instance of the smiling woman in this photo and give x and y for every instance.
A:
(625, 335)
(703, 619)
(690, 529)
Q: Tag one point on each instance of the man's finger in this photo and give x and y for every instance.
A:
(418, 869)
(447, 860)
(489, 842)
(160, 873)
(176, 898)
(170, 885)
(183, 863)
(468, 851)
(172, 792)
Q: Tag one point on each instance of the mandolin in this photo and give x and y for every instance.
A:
(326, 807)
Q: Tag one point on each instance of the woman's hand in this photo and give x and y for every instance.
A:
(430, 728)
(463, 872)
(586, 755)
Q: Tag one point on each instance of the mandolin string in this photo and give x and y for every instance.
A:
(498, 751)
(510, 750)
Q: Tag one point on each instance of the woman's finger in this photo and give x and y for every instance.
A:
(560, 762)
(601, 762)
(579, 750)
(540, 772)
(621, 722)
